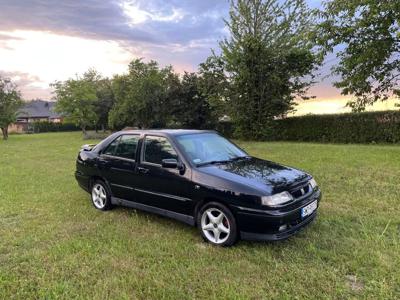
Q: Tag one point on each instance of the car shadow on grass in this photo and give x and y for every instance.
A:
(167, 224)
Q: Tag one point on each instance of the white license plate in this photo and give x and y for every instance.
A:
(309, 209)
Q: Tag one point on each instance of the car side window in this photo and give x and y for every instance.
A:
(127, 146)
(110, 149)
(157, 148)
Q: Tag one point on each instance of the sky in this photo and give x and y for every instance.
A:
(44, 41)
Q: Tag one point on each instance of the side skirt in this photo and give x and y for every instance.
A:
(155, 210)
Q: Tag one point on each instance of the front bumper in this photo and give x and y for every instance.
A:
(272, 226)
(82, 180)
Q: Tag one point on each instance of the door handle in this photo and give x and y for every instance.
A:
(143, 170)
(127, 164)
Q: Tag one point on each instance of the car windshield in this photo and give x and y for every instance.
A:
(207, 148)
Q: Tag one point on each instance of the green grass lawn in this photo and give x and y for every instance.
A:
(54, 244)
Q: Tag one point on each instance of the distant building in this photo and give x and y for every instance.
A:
(35, 111)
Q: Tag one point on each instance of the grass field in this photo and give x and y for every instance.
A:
(54, 244)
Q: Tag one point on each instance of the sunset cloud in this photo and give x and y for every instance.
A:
(157, 22)
(44, 57)
(54, 40)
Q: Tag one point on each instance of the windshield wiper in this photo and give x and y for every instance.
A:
(239, 158)
(213, 162)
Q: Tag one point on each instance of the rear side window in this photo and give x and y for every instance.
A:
(157, 148)
(110, 150)
(127, 146)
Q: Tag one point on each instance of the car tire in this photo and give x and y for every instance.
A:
(217, 224)
(101, 196)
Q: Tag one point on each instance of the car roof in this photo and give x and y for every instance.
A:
(171, 132)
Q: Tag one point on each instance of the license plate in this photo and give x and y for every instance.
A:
(309, 209)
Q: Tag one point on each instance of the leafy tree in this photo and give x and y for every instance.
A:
(77, 100)
(104, 94)
(214, 86)
(105, 97)
(191, 108)
(142, 96)
(10, 102)
(369, 32)
(266, 58)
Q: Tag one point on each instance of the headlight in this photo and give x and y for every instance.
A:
(277, 199)
(313, 183)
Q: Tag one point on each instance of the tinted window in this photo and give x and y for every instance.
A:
(158, 148)
(127, 146)
(110, 150)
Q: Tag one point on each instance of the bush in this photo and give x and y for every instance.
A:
(38, 127)
(367, 127)
(93, 135)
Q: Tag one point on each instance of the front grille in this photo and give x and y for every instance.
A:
(301, 191)
(296, 222)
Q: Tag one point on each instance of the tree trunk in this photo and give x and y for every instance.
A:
(84, 131)
(5, 132)
(103, 127)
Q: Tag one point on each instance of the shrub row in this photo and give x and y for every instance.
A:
(366, 127)
(37, 127)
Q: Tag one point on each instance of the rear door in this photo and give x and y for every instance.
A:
(117, 164)
(160, 187)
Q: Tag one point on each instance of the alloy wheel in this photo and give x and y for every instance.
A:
(99, 196)
(215, 225)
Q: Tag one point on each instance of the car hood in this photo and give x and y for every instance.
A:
(258, 173)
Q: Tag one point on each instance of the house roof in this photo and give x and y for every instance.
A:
(38, 109)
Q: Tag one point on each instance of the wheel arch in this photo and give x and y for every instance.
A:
(94, 178)
(208, 199)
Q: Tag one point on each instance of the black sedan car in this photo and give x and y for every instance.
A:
(202, 179)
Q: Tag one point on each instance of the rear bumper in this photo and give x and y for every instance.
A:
(262, 226)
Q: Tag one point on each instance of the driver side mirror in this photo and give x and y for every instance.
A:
(169, 163)
(172, 163)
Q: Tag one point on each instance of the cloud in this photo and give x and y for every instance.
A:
(7, 37)
(138, 16)
(30, 85)
(54, 40)
(155, 22)
(48, 57)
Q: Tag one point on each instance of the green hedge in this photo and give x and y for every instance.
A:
(366, 127)
(37, 127)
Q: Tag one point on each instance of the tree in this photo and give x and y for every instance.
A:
(104, 94)
(10, 102)
(105, 101)
(369, 32)
(214, 86)
(77, 100)
(142, 96)
(191, 108)
(267, 57)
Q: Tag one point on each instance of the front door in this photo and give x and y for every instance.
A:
(160, 187)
